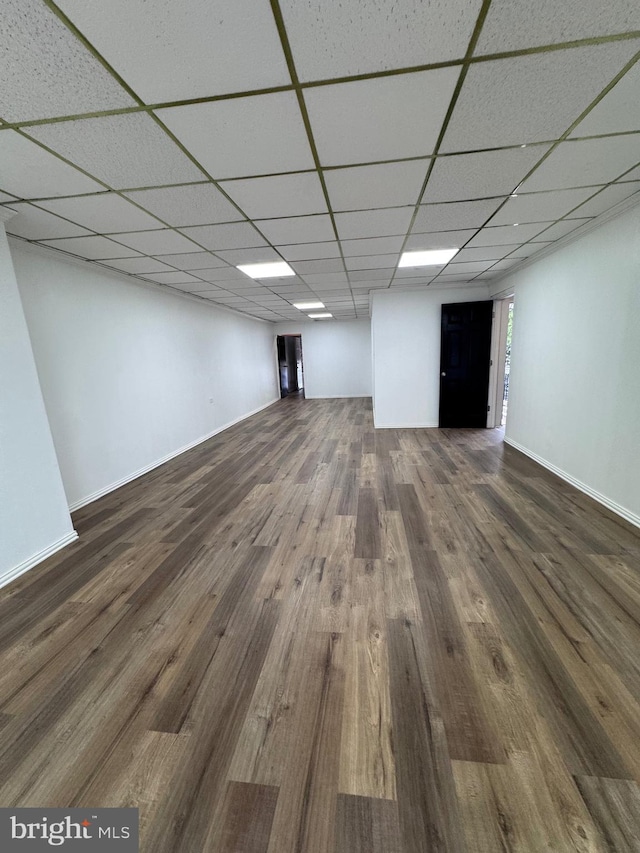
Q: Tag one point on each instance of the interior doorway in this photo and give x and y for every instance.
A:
(465, 360)
(507, 365)
(290, 365)
(500, 362)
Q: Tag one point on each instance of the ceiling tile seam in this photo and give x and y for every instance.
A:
(146, 108)
(89, 46)
(187, 153)
(76, 32)
(57, 216)
(413, 69)
(564, 136)
(63, 159)
(482, 15)
(474, 60)
(288, 54)
(114, 271)
(566, 239)
(566, 216)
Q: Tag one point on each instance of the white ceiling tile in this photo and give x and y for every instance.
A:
(366, 286)
(281, 195)
(170, 51)
(325, 278)
(35, 224)
(489, 173)
(419, 272)
(618, 111)
(105, 213)
(327, 265)
(46, 71)
(632, 175)
(559, 229)
(172, 277)
(192, 260)
(506, 234)
(505, 264)
(439, 240)
(370, 262)
(529, 249)
(330, 38)
(465, 267)
(384, 118)
(28, 171)
(386, 185)
(607, 198)
(92, 248)
(589, 161)
(518, 24)
(540, 207)
(124, 151)
(309, 251)
(297, 229)
(456, 215)
(139, 265)
(225, 274)
(248, 256)
(236, 235)
(257, 135)
(373, 223)
(485, 253)
(372, 246)
(372, 275)
(531, 98)
(190, 204)
(155, 242)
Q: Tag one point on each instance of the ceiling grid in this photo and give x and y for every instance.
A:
(331, 136)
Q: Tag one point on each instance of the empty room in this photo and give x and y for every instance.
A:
(320, 426)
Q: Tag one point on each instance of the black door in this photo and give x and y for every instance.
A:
(464, 363)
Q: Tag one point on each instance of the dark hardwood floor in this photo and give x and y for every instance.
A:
(307, 636)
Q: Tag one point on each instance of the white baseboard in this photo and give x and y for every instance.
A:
(622, 511)
(337, 396)
(405, 426)
(32, 561)
(139, 473)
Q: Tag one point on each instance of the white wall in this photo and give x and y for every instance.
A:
(336, 356)
(405, 338)
(574, 400)
(34, 518)
(132, 374)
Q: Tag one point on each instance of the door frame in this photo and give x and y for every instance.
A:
(498, 353)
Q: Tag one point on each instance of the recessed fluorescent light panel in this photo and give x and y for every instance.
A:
(277, 269)
(319, 316)
(435, 257)
(308, 306)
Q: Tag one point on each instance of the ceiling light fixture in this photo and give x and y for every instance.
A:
(433, 257)
(306, 306)
(319, 316)
(275, 269)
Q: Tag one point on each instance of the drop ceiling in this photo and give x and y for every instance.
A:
(171, 142)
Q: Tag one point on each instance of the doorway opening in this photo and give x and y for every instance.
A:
(507, 365)
(290, 365)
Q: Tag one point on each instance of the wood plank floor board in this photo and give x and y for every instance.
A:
(306, 635)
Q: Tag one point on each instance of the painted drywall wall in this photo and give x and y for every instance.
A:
(133, 374)
(574, 400)
(336, 356)
(34, 518)
(405, 339)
